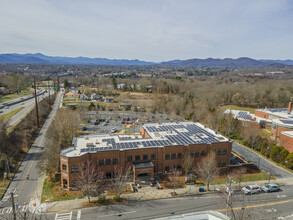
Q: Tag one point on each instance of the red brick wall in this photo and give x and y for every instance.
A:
(275, 133)
(159, 162)
(286, 142)
(261, 114)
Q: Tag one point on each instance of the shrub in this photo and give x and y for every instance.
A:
(289, 160)
(116, 198)
(283, 154)
(275, 153)
(102, 199)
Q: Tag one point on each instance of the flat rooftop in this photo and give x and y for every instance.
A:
(161, 135)
(279, 112)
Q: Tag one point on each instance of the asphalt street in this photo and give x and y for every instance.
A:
(262, 206)
(24, 188)
(259, 161)
(27, 107)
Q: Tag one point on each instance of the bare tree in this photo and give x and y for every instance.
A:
(90, 180)
(237, 174)
(207, 169)
(187, 163)
(173, 177)
(121, 178)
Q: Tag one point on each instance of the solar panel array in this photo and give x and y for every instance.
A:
(242, 114)
(170, 137)
(290, 122)
(277, 109)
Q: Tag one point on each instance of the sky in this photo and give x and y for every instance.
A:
(149, 30)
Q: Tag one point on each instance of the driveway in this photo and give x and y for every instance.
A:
(259, 161)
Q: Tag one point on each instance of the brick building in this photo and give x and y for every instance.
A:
(157, 149)
(281, 122)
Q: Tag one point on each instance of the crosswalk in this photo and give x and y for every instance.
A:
(7, 210)
(63, 216)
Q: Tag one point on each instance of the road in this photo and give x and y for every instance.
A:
(264, 205)
(27, 107)
(25, 188)
(19, 100)
(263, 164)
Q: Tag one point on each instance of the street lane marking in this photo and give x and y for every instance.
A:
(116, 214)
(254, 206)
(63, 216)
(9, 210)
(78, 214)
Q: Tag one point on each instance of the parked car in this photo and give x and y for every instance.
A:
(271, 188)
(104, 124)
(113, 130)
(251, 189)
(84, 128)
(6, 107)
(96, 123)
(22, 103)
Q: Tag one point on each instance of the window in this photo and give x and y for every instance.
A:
(115, 161)
(167, 156)
(223, 164)
(145, 157)
(202, 153)
(108, 161)
(167, 169)
(178, 167)
(101, 162)
(84, 166)
(219, 163)
(74, 169)
(179, 155)
(196, 154)
(129, 158)
(173, 156)
(191, 154)
(224, 152)
(108, 175)
(137, 157)
(219, 152)
(64, 167)
(153, 156)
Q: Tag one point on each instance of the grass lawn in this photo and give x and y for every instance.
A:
(235, 107)
(251, 177)
(9, 115)
(3, 186)
(53, 192)
(15, 96)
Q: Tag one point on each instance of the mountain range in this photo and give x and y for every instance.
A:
(38, 58)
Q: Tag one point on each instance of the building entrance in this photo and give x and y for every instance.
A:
(143, 171)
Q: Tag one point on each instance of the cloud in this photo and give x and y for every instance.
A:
(148, 30)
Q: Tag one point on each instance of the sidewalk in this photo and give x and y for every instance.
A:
(150, 193)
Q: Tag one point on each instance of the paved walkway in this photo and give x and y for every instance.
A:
(150, 193)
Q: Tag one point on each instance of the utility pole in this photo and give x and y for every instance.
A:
(36, 103)
(13, 206)
(58, 84)
(49, 90)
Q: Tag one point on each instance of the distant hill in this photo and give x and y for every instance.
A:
(285, 62)
(39, 58)
(243, 62)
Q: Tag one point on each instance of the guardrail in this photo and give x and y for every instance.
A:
(21, 100)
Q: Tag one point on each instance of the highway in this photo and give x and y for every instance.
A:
(24, 188)
(27, 106)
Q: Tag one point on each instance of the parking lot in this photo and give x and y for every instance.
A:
(122, 122)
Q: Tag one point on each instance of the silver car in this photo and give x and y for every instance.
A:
(271, 188)
(251, 189)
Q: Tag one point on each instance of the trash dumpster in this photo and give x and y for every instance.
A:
(201, 189)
